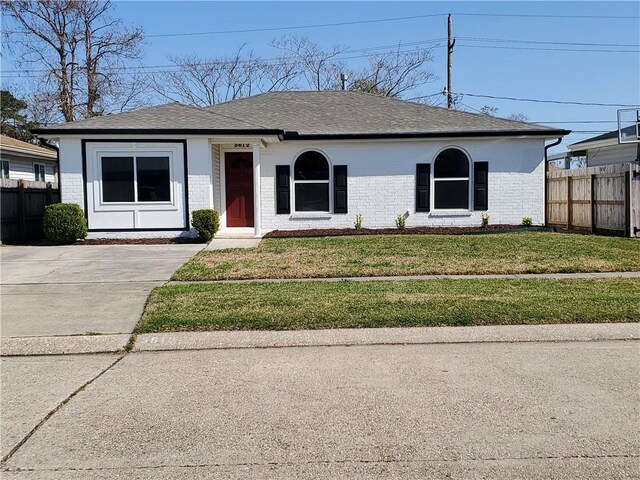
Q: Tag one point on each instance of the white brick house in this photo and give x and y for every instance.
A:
(300, 160)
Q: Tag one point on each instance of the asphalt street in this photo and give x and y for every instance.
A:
(474, 410)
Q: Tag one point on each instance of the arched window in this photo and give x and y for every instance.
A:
(311, 182)
(451, 180)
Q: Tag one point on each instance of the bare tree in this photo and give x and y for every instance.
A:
(203, 82)
(79, 48)
(320, 68)
(493, 112)
(391, 74)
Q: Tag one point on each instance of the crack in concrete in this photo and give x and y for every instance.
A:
(323, 462)
(8, 456)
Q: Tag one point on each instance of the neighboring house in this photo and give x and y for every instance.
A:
(605, 149)
(25, 161)
(300, 160)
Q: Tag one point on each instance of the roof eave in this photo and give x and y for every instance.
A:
(153, 131)
(490, 133)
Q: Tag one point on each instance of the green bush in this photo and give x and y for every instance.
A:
(64, 223)
(206, 222)
(527, 221)
(401, 221)
(358, 224)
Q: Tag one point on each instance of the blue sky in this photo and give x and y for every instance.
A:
(583, 76)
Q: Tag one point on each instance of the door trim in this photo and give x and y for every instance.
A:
(223, 186)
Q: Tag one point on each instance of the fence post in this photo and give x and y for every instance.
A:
(22, 220)
(592, 203)
(49, 194)
(627, 203)
(568, 203)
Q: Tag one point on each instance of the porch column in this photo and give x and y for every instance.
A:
(257, 216)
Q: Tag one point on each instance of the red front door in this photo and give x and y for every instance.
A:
(238, 173)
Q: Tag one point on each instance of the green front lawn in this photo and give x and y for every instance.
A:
(533, 252)
(345, 304)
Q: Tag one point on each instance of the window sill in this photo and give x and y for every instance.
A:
(451, 213)
(310, 216)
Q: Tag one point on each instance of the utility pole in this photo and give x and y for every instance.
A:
(450, 43)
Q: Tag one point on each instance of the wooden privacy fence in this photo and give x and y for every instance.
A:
(603, 199)
(22, 209)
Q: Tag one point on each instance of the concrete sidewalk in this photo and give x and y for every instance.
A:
(399, 278)
(387, 336)
(83, 344)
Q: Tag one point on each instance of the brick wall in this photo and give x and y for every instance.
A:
(381, 182)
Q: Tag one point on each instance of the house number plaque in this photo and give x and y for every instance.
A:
(241, 145)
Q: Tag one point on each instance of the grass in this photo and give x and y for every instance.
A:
(345, 304)
(533, 252)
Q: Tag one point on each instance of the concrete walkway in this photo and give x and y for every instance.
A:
(80, 289)
(398, 278)
(226, 243)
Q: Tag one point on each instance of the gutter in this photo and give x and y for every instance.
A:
(152, 131)
(289, 135)
(546, 170)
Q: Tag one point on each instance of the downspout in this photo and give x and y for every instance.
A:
(546, 169)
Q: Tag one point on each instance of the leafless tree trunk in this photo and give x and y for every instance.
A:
(81, 48)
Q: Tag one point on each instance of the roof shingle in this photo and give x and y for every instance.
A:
(330, 113)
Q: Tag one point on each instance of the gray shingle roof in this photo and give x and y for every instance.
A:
(329, 113)
(170, 116)
(613, 135)
(345, 112)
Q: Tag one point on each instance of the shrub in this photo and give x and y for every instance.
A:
(485, 220)
(358, 224)
(64, 223)
(401, 221)
(527, 221)
(206, 222)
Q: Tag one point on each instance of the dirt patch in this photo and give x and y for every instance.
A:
(140, 241)
(115, 241)
(336, 232)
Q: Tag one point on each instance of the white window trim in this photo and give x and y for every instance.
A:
(8, 169)
(310, 213)
(135, 157)
(468, 178)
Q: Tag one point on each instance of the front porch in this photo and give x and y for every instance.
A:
(237, 184)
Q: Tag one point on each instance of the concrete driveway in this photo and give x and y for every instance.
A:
(79, 289)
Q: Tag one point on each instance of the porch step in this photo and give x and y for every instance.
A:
(232, 236)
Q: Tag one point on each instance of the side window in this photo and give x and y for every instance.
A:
(5, 169)
(38, 172)
(451, 180)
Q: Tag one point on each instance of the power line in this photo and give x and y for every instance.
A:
(536, 100)
(506, 40)
(582, 121)
(550, 49)
(380, 20)
(616, 17)
(295, 27)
